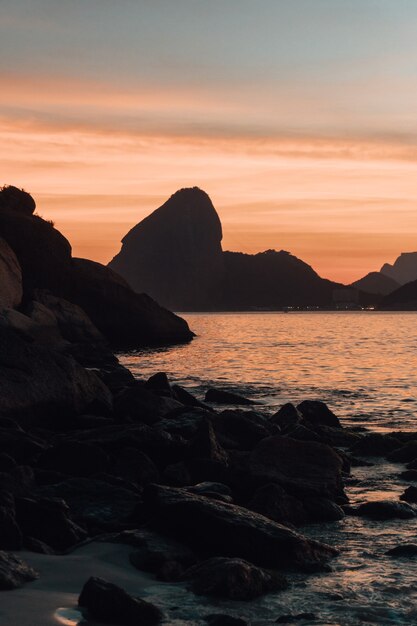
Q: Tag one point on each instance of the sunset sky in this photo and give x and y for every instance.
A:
(298, 117)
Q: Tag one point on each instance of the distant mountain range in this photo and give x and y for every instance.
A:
(175, 255)
(390, 277)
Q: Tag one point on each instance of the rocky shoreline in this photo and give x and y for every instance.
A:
(214, 494)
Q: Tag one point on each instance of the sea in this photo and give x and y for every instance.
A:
(363, 364)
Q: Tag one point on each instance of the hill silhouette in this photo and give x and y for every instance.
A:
(175, 255)
(377, 283)
(404, 268)
(402, 299)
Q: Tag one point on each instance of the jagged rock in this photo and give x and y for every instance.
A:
(11, 289)
(159, 383)
(49, 521)
(409, 495)
(35, 381)
(385, 509)
(404, 550)
(229, 530)
(14, 572)
(175, 253)
(112, 604)
(219, 396)
(232, 578)
(318, 414)
(302, 468)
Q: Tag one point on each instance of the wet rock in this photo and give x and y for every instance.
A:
(275, 503)
(301, 468)
(291, 619)
(385, 509)
(410, 495)
(11, 290)
(218, 491)
(74, 458)
(405, 453)
(404, 550)
(219, 396)
(322, 510)
(286, 417)
(375, 444)
(117, 378)
(186, 398)
(159, 383)
(164, 557)
(229, 530)
(206, 446)
(318, 413)
(112, 604)
(14, 572)
(218, 619)
(142, 405)
(49, 521)
(94, 502)
(235, 579)
(185, 421)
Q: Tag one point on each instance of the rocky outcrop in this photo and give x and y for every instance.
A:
(14, 572)
(404, 268)
(11, 290)
(232, 531)
(377, 283)
(175, 253)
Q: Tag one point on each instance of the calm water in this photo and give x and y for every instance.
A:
(363, 364)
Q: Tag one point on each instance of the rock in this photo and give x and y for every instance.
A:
(218, 619)
(19, 445)
(219, 396)
(287, 416)
(229, 530)
(322, 510)
(175, 253)
(49, 521)
(142, 405)
(318, 413)
(136, 466)
(404, 454)
(35, 381)
(242, 429)
(93, 502)
(410, 474)
(385, 509)
(218, 491)
(165, 558)
(10, 535)
(7, 463)
(275, 503)
(235, 579)
(11, 290)
(176, 475)
(185, 421)
(412, 465)
(302, 468)
(159, 383)
(410, 495)
(375, 444)
(112, 604)
(127, 319)
(14, 572)
(16, 200)
(74, 458)
(404, 550)
(185, 397)
(206, 446)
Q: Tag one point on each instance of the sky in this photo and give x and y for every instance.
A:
(297, 117)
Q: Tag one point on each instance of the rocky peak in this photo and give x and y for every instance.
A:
(404, 268)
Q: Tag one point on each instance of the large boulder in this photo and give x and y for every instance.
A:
(11, 290)
(303, 468)
(175, 253)
(222, 529)
(126, 319)
(14, 572)
(236, 579)
(36, 381)
(16, 200)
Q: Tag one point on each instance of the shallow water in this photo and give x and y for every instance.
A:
(361, 363)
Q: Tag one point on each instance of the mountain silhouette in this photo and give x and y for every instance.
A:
(402, 299)
(404, 268)
(175, 255)
(377, 283)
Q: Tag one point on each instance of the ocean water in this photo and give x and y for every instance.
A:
(364, 365)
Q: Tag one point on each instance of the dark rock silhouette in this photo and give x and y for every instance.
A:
(404, 268)
(175, 253)
(125, 318)
(376, 282)
(403, 298)
(14, 572)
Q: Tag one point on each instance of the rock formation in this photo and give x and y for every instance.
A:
(377, 283)
(175, 253)
(404, 268)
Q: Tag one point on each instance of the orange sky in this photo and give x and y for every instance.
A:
(298, 148)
